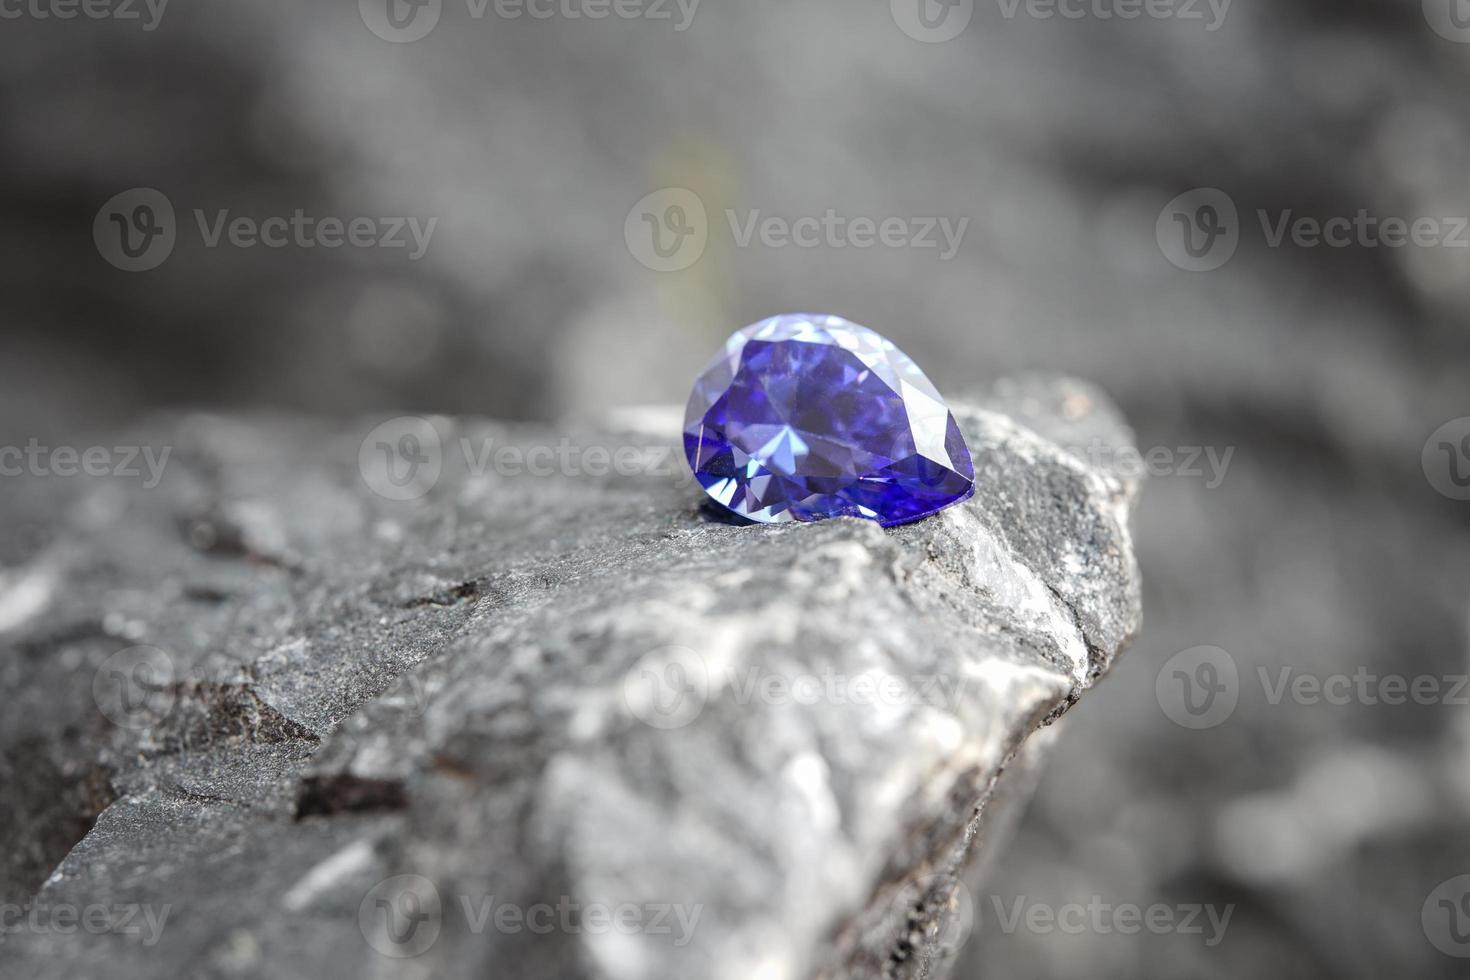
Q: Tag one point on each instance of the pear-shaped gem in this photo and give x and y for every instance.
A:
(806, 416)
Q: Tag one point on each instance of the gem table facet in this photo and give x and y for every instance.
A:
(806, 416)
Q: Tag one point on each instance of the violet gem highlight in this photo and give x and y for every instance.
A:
(806, 416)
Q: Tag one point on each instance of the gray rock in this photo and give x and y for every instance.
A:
(566, 724)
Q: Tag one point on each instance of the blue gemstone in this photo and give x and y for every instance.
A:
(805, 416)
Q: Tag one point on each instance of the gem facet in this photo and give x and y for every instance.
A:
(807, 416)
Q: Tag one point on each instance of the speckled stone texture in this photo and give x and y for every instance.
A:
(449, 688)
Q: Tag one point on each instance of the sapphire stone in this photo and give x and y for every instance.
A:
(805, 416)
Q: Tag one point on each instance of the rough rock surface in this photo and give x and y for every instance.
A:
(776, 745)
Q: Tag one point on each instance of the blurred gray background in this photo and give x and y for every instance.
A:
(1322, 547)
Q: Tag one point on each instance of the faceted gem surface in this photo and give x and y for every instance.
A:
(807, 416)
